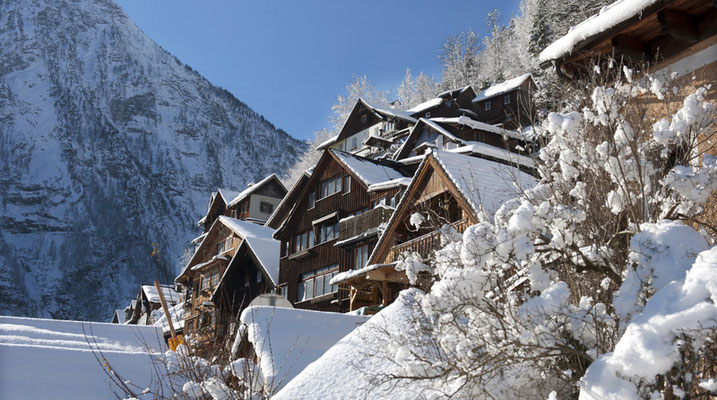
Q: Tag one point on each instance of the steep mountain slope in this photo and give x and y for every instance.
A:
(107, 145)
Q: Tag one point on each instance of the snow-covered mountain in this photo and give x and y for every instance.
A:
(108, 144)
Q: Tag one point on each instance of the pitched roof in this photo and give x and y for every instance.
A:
(368, 171)
(608, 17)
(503, 87)
(254, 187)
(266, 251)
(171, 296)
(486, 185)
(242, 228)
(463, 120)
(292, 193)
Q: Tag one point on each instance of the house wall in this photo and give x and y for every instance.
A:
(255, 201)
(326, 253)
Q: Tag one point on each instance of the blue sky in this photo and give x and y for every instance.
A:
(288, 60)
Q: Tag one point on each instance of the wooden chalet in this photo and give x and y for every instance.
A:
(332, 226)
(466, 135)
(447, 189)
(256, 203)
(507, 104)
(284, 207)
(451, 103)
(216, 256)
(119, 317)
(676, 37)
(252, 272)
(148, 301)
(368, 127)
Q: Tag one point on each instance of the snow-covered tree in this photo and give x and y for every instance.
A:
(413, 91)
(605, 270)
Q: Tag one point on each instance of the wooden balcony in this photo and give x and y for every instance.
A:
(360, 224)
(425, 244)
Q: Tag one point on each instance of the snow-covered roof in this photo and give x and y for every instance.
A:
(199, 266)
(350, 274)
(426, 105)
(227, 194)
(245, 229)
(266, 251)
(486, 185)
(463, 120)
(120, 314)
(286, 340)
(177, 312)
(500, 88)
(51, 359)
(391, 112)
(495, 152)
(328, 142)
(252, 188)
(389, 184)
(346, 369)
(608, 17)
(170, 295)
(368, 171)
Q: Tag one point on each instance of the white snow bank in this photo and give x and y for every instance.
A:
(608, 17)
(351, 368)
(648, 346)
(286, 340)
(50, 359)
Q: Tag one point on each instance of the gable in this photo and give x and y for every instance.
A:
(360, 118)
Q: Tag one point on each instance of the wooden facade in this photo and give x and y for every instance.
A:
(511, 109)
(431, 192)
(325, 258)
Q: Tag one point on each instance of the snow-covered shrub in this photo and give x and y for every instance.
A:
(567, 279)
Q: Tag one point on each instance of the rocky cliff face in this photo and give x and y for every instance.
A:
(107, 144)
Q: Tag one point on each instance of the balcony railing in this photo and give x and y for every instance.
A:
(360, 224)
(424, 245)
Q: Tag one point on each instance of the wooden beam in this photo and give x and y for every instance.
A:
(678, 25)
(629, 47)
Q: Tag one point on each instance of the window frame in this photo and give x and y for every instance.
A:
(311, 280)
(266, 204)
(488, 105)
(506, 99)
(346, 186)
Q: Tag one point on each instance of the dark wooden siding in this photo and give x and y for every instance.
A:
(326, 253)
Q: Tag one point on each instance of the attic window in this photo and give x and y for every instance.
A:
(428, 114)
(363, 118)
(266, 207)
(506, 99)
(488, 105)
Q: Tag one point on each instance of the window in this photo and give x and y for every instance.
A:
(330, 186)
(488, 105)
(354, 144)
(285, 249)
(266, 207)
(363, 118)
(210, 280)
(283, 291)
(361, 257)
(327, 231)
(317, 283)
(347, 184)
(224, 246)
(303, 241)
(506, 99)
(428, 114)
(258, 277)
(312, 200)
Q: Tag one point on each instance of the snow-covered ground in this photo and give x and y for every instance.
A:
(286, 340)
(51, 359)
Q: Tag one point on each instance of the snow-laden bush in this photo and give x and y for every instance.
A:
(598, 269)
